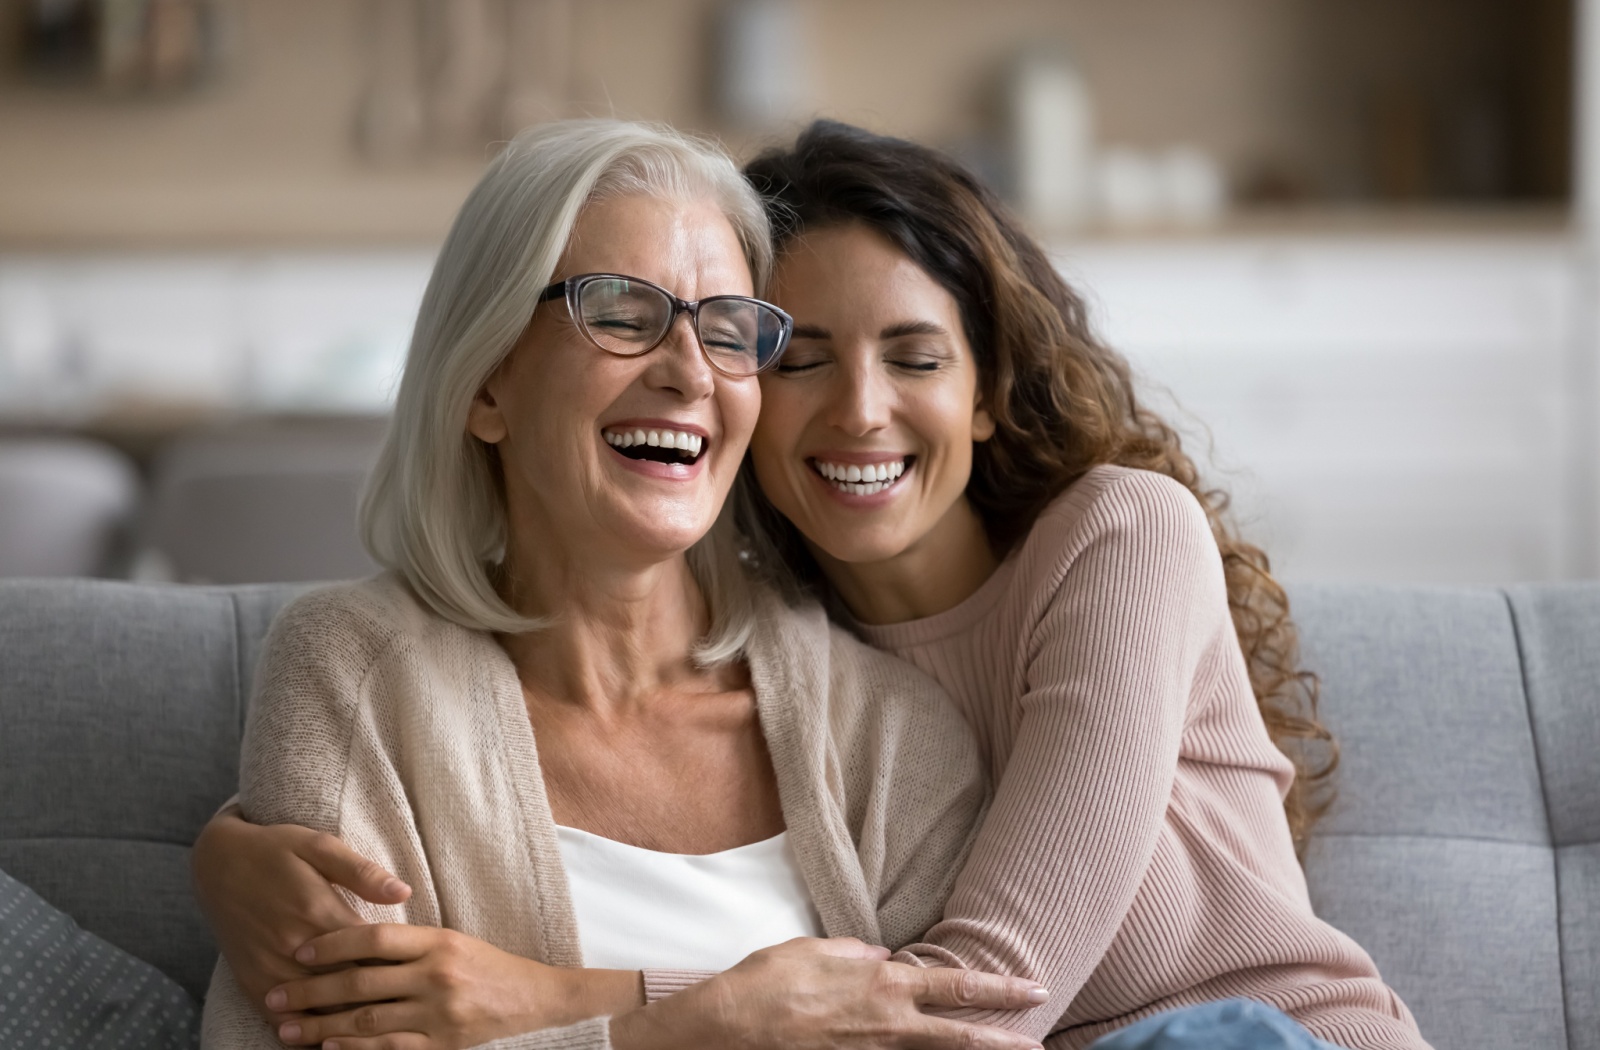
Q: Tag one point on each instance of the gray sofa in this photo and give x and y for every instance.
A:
(1464, 851)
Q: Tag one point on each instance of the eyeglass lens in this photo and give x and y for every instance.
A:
(627, 317)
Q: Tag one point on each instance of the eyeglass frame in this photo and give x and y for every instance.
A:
(570, 288)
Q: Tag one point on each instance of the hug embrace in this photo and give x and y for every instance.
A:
(795, 634)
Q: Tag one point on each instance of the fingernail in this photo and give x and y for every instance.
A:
(277, 999)
(289, 1032)
(305, 953)
(330, 1044)
(1038, 995)
(393, 887)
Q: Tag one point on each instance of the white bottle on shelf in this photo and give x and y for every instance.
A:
(1052, 140)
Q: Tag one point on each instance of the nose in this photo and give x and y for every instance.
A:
(679, 366)
(862, 400)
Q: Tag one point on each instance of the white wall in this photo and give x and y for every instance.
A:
(1384, 408)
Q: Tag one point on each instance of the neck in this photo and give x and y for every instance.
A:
(618, 633)
(938, 572)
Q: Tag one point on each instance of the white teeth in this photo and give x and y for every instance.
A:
(861, 480)
(681, 440)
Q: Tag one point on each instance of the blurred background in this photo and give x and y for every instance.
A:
(1350, 245)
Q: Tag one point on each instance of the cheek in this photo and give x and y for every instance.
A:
(946, 423)
(784, 411)
(741, 409)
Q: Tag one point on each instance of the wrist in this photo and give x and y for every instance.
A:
(651, 1027)
(562, 996)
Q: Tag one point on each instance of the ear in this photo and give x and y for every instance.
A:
(982, 423)
(485, 421)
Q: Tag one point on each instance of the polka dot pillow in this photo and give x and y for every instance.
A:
(64, 989)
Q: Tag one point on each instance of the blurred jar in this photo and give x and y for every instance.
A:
(1052, 140)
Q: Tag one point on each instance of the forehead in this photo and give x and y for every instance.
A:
(855, 270)
(686, 246)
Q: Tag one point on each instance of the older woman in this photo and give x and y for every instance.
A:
(715, 771)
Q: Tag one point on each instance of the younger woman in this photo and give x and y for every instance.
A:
(968, 474)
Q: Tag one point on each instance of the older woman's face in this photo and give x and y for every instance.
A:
(549, 407)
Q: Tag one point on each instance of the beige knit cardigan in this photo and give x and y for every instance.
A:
(406, 735)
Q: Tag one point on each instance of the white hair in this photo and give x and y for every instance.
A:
(434, 507)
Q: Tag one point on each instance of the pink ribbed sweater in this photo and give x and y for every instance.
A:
(1136, 857)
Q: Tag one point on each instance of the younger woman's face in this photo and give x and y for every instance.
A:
(867, 424)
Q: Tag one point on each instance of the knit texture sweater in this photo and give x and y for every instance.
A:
(1136, 857)
(407, 736)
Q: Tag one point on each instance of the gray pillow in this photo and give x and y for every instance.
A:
(64, 989)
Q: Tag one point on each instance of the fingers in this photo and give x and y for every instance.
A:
(388, 941)
(347, 987)
(373, 1020)
(940, 1034)
(944, 986)
(343, 866)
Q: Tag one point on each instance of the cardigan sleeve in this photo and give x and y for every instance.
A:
(923, 791)
(305, 739)
(1111, 662)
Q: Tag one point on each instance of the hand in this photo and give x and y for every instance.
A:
(441, 990)
(267, 890)
(809, 994)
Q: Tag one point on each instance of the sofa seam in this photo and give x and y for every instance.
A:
(1544, 797)
(239, 700)
(1441, 838)
(174, 843)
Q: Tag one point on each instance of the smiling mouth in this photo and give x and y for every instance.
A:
(656, 445)
(858, 479)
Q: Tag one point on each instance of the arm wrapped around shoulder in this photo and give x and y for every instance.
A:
(916, 789)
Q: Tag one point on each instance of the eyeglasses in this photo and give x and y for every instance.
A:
(738, 335)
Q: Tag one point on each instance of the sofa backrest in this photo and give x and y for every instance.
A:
(120, 713)
(1463, 851)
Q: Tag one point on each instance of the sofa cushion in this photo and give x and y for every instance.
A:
(1437, 856)
(62, 987)
(119, 736)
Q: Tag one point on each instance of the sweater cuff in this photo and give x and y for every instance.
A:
(658, 984)
(593, 1034)
(912, 955)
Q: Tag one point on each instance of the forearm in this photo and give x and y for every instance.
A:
(600, 993)
(1082, 798)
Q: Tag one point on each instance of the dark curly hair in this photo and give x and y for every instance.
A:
(1062, 401)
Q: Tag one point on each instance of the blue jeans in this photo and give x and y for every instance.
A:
(1232, 1024)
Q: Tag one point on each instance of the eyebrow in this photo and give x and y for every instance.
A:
(895, 331)
(904, 328)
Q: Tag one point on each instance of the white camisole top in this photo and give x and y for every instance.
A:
(639, 909)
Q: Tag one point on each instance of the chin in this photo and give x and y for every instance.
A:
(862, 550)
